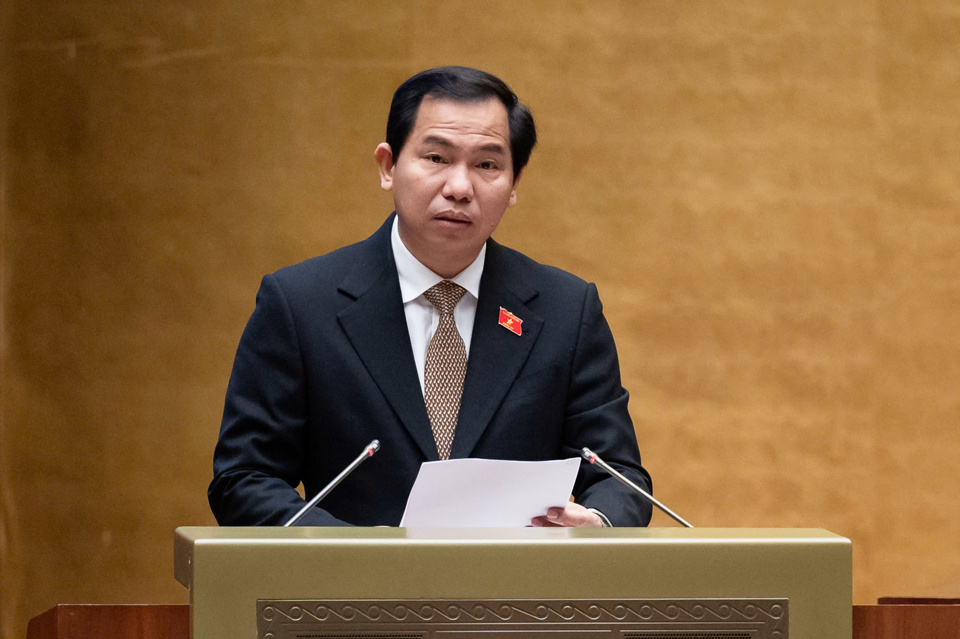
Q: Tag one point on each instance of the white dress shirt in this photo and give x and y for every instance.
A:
(422, 317)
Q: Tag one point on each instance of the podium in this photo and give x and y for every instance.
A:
(634, 583)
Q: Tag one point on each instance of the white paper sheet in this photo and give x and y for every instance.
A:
(485, 493)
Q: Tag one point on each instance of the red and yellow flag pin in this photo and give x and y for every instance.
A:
(510, 321)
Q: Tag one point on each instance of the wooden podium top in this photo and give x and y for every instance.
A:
(908, 618)
(95, 621)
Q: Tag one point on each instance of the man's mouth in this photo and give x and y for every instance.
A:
(453, 217)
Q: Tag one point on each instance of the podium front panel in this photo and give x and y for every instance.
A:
(630, 583)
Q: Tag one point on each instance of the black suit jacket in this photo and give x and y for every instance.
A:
(325, 365)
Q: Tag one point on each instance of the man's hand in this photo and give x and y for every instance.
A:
(572, 515)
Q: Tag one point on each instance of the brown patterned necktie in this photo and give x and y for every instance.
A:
(445, 367)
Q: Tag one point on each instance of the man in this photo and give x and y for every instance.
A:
(428, 336)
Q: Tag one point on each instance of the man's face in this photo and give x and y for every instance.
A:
(452, 181)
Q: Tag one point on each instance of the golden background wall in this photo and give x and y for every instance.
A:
(767, 195)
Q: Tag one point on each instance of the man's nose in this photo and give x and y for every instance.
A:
(458, 185)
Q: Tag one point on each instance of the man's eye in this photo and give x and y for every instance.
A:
(487, 165)
(436, 159)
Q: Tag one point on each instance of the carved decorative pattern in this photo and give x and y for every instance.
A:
(763, 618)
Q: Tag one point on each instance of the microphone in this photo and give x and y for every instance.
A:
(371, 448)
(592, 457)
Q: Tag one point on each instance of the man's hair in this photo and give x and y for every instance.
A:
(461, 84)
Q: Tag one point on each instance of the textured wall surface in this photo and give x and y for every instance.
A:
(767, 195)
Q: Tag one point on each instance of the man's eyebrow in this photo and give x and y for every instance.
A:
(437, 141)
(489, 147)
(492, 147)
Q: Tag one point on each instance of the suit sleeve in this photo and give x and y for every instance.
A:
(597, 417)
(259, 456)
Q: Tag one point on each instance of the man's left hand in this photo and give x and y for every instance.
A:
(569, 516)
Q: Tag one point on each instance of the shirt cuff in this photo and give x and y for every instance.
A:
(603, 518)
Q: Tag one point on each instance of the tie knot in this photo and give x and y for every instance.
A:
(444, 296)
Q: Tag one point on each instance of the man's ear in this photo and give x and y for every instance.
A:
(384, 156)
(513, 193)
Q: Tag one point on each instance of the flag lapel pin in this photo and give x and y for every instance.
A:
(510, 321)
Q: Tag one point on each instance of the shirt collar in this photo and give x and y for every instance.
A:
(415, 278)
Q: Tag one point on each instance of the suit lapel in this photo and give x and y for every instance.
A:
(496, 354)
(376, 326)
